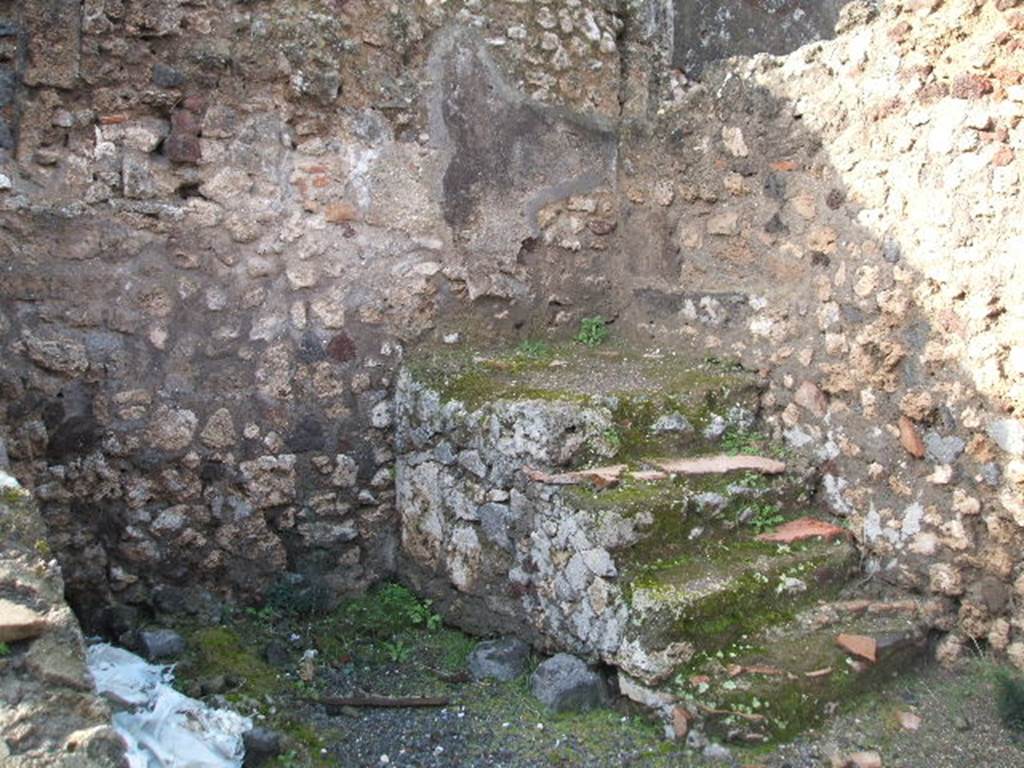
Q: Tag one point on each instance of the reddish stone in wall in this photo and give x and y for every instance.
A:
(971, 87)
(182, 146)
(341, 348)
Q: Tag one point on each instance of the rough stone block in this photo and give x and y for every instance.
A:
(565, 683)
(54, 30)
(503, 659)
(19, 623)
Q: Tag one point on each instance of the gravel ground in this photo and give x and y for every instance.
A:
(382, 645)
(498, 725)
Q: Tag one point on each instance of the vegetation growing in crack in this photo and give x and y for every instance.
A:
(765, 517)
(593, 331)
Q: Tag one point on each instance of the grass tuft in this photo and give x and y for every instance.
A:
(1010, 700)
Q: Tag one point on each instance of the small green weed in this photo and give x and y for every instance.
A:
(613, 439)
(264, 615)
(593, 331)
(403, 604)
(533, 349)
(397, 650)
(5, 650)
(736, 441)
(766, 517)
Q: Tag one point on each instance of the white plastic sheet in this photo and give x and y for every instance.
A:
(162, 727)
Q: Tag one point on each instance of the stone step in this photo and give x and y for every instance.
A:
(788, 677)
(704, 605)
(513, 522)
(590, 404)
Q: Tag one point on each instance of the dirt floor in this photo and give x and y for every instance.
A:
(262, 662)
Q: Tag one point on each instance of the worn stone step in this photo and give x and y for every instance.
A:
(788, 677)
(576, 405)
(710, 597)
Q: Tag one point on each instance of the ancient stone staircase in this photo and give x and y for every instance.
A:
(627, 507)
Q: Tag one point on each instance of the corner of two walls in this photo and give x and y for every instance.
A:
(220, 252)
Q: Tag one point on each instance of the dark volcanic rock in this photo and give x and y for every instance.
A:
(566, 683)
(503, 659)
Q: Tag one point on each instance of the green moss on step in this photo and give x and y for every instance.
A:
(577, 373)
(793, 702)
(718, 605)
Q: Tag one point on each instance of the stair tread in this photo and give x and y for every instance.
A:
(790, 675)
(575, 371)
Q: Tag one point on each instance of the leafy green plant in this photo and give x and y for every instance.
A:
(593, 331)
(736, 441)
(396, 650)
(403, 605)
(533, 349)
(264, 614)
(612, 438)
(420, 614)
(1010, 700)
(5, 650)
(766, 517)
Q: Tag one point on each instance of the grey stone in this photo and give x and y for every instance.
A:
(494, 522)
(6, 135)
(672, 422)
(565, 683)
(277, 654)
(261, 746)
(717, 752)
(471, 462)
(444, 453)
(708, 30)
(167, 77)
(714, 502)
(715, 428)
(891, 250)
(157, 644)
(990, 474)
(503, 659)
(7, 84)
(943, 450)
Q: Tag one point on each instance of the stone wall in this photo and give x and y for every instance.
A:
(222, 225)
(51, 716)
(842, 218)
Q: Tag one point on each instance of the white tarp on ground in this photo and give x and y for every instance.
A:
(164, 728)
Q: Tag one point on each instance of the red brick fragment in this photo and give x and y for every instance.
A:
(801, 529)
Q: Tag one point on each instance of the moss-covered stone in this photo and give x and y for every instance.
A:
(788, 678)
(639, 388)
(697, 519)
(718, 603)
